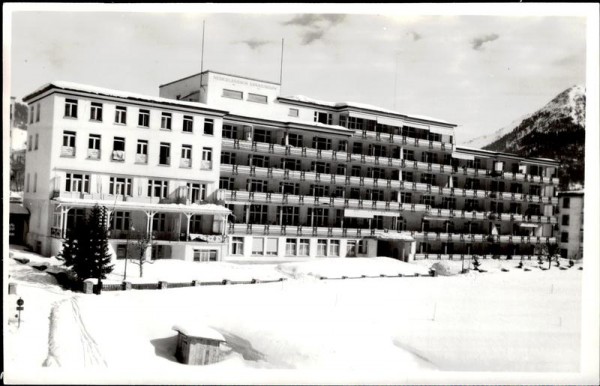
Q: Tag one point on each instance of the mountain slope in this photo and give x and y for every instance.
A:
(555, 131)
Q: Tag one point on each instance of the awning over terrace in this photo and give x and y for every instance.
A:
(469, 157)
(143, 206)
(401, 236)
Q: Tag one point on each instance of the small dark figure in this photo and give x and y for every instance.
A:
(476, 263)
(520, 265)
(571, 263)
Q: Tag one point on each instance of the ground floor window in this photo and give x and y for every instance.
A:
(321, 247)
(121, 251)
(303, 247)
(351, 248)
(258, 246)
(290, 247)
(202, 255)
(334, 247)
(363, 247)
(237, 246)
(272, 246)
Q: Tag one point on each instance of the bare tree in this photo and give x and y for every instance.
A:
(143, 242)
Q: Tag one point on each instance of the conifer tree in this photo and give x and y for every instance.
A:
(70, 248)
(99, 255)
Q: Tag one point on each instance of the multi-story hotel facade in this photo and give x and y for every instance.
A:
(223, 167)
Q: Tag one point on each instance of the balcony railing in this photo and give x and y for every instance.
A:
(185, 163)
(118, 155)
(67, 151)
(93, 153)
(299, 230)
(336, 179)
(141, 158)
(377, 206)
(269, 148)
(206, 165)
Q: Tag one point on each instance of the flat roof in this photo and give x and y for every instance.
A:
(220, 73)
(101, 91)
(472, 150)
(301, 99)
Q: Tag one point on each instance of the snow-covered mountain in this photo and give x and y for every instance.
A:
(555, 131)
(484, 140)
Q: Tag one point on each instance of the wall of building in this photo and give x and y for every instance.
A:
(573, 246)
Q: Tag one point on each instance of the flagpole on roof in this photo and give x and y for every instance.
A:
(281, 64)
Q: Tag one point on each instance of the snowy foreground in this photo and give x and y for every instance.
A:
(357, 330)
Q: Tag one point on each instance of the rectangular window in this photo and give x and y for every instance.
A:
(118, 153)
(566, 202)
(188, 124)
(94, 146)
(304, 247)
(258, 246)
(321, 143)
(34, 182)
(228, 158)
(121, 115)
(226, 183)
(325, 118)
(564, 237)
(30, 143)
(363, 247)
(159, 222)
(334, 247)
(294, 112)
(205, 255)
(272, 246)
(120, 186)
(351, 248)
(229, 131)
(233, 94)
(141, 155)
(165, 121)
(209, 126)
(237, 246)
(289, 215)
(32, 114)
(158, 188)
(261, 161)
(258, 214)
(321, 247)
(356, 170)
(37, 140)
(121, 221)
(37, 113)
(96, 112)
(290, 247)
(257, 98)
(77, 183)
(70, 108)
(27, 183)
(196, 224)
(164, 156)
(196, 192)
(186, 156)
(565, 219)
(68, 144)
(295, 140)
(144, 118)
(206, 163)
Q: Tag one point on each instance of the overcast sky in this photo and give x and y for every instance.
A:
(480, 72)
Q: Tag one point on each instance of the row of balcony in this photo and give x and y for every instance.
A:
(299, 230)
(120, 198)
(281, 174)
(340, 156)
(244, 197)
(115, 234)
(119, 156)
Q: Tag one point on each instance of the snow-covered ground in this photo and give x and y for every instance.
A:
(367, 330)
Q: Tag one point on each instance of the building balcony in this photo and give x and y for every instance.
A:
(385, 208)
(398, 139)
(67, 151)
(335, 179)
(141, 158)
(118, 155)
(333, 155)
(185, 163)
(206, 165)
(93, 153)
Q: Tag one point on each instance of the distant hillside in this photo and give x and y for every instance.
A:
(555, 131)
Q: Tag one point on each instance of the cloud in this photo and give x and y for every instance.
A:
(314, 25)
(414, 35)
(255, 43)
(478, 42)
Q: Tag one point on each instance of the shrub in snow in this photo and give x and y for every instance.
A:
(85, 251)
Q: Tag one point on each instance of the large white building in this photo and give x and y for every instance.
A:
(570, 226)
(223, 167)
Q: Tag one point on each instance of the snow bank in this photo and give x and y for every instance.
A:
(174, 271)
(351, 267)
